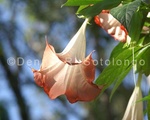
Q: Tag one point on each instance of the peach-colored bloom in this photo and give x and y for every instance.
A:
(68, 72)
(111, 25)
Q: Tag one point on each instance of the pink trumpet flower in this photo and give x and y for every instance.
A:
(111, 25)
(68, 72)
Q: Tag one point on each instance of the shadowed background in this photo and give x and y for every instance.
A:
(23, 27)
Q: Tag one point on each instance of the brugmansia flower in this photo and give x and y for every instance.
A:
(134, 110)
(68, 72)
(111, 25)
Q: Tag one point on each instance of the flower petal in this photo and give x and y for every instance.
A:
(75, 81)
(89, 68)
(50, 67)
(74, 78)
(75, 50)
(111, 25)
(81, 87)
(49, 57)
(38, 77)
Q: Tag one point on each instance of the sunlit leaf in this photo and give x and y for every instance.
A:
(143, 60)
(81, 2)
(120, 78)
(98, 7)
(82, 7)
(121, 63)
(116, 50)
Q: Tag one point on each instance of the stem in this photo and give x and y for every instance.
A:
(88, 19)
(139, 79)
(134, 69)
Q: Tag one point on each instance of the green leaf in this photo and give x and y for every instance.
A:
(125, 12)
(121, 63)
(82, 7)
(116, 50)
(134, 32)
(143, 60)
(81, 2)
(120, 78)
(147, 98)
(98, 7)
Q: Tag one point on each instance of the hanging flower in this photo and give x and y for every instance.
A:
(134, 110)
(111, 25)
(68, 72)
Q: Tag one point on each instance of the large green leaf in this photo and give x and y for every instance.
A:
(121, 62)
(143, 60)
(125, 12)
(116, 50)
(120, 78)
(134, 32)
(81, 2)
(82, 7)
(98, 7)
